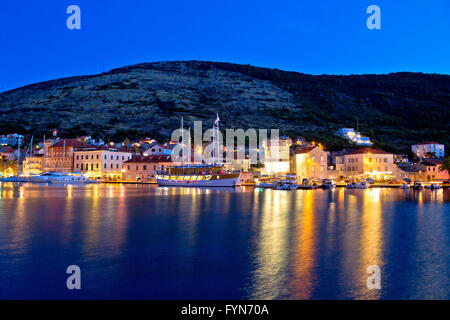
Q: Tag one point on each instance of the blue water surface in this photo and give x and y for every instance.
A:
(145, 242)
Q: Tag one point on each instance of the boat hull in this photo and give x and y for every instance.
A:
(231, 182)
(66, 181)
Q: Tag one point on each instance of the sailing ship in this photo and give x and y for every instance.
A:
(198, 176)
(204, 175)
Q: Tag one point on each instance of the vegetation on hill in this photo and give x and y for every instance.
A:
(394, 110)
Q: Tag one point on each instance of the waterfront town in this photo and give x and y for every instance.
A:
(138, 161)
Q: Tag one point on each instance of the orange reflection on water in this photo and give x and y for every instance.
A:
(371, 239)
(304, 256)
(271, 253)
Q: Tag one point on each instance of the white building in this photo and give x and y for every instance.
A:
(157, 149)
(354, 136)
(14, 138)
(276, 155)
(3, 140)
(422, 149)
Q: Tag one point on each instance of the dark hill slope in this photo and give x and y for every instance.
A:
(148, 99)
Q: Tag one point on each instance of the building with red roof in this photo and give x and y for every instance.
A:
(58, 155)
(365, 163)
(143, 168)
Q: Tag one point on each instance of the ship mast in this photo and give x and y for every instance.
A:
(18, 156)
(30, 152)
(189, 150)
(182, 142)
(216, 140)
(45, 160)
(64, 154)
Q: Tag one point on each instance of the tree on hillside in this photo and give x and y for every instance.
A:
(445, 166)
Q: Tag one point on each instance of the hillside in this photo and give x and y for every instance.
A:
(395, 110)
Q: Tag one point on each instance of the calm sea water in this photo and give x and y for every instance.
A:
(171, 243)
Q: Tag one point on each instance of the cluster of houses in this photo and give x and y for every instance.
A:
(138, 161)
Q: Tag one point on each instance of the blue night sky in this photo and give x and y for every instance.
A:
(307, 36)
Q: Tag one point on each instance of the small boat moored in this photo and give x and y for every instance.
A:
(433, 186)
(328, 184)
(63, 178)
(288, 182)
(418, 185)
(362, 184)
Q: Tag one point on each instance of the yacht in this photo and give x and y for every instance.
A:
(361, 185)
(418, 185)
(64, 178)
(198, 176)
(267, 183)
(433, 186)
(404, 186)
(328, 184)
(288, 183)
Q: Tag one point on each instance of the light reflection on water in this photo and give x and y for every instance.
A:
(140, 241)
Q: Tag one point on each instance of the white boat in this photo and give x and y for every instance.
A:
(328, 184)
(267, 182)
(351, 185)
(265, 185)
(64, 178)
(12, 179)
(355, 185)
(287, 184)
(418, 185)
(362, 185)
(308, 184)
